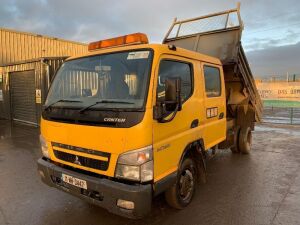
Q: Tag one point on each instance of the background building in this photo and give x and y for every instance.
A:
(18, 46)
(27, 64)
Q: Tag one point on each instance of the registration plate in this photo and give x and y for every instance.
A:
(74, 181)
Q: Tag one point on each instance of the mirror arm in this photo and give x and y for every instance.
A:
(163, 120)
(158, 111)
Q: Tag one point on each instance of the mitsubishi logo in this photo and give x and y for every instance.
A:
(76, 161)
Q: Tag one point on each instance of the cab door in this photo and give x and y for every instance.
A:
(214, 104)
(171, 138)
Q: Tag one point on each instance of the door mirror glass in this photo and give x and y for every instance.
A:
(172, 101)
(172, 94)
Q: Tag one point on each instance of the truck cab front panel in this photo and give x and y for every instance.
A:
(94, 148)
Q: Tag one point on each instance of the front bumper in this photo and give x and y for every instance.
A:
(101, 191)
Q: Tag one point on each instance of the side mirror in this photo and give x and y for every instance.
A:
(172, 102)
(172, 94)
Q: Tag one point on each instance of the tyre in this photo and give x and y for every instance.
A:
(245, 140)
(235, 148)
(182, 192)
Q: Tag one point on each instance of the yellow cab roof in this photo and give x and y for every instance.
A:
(161, 48)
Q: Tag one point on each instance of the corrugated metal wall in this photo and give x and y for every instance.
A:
(21, 51)
(18, 46)
(22, 96)
(44, 71)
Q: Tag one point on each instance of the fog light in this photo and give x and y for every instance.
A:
(125, 204)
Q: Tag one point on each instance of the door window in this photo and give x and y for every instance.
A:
(174, 69)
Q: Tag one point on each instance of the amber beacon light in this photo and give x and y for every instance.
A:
(130, 39)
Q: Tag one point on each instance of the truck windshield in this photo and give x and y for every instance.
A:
(116, 80)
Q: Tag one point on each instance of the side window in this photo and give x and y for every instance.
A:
(174, 69)
(212, 81)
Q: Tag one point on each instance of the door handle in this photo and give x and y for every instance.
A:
(221, 116)
(195, 123)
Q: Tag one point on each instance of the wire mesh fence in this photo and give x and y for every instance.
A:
(281, 115)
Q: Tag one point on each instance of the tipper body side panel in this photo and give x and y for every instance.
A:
(219, 35)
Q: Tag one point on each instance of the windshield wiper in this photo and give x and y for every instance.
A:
(60, 100)
(103, 101)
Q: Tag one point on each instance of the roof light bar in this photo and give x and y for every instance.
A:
(130, 39)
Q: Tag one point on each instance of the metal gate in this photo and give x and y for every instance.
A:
(22, 91)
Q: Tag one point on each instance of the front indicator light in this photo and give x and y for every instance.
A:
(147, 171)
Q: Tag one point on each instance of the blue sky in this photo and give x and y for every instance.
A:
(271, 27)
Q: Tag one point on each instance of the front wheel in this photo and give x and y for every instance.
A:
(182, 192)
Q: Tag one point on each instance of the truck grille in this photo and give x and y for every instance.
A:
(73, 158)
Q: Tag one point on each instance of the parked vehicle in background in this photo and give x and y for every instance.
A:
(131, 120)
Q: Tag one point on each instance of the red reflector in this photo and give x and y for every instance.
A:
(130, 39)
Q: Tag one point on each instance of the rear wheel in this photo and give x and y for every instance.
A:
(235, 148)
(245, 140)
(182, 192)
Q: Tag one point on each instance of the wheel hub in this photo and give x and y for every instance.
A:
(186, 184)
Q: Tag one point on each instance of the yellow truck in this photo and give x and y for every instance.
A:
(131, 120)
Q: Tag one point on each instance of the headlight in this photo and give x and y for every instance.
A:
(44, 147)
(136, 165)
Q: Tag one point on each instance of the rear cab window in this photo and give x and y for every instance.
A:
(212, 77)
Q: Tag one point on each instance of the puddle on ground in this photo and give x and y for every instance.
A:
(281, 120)
(278, 130)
